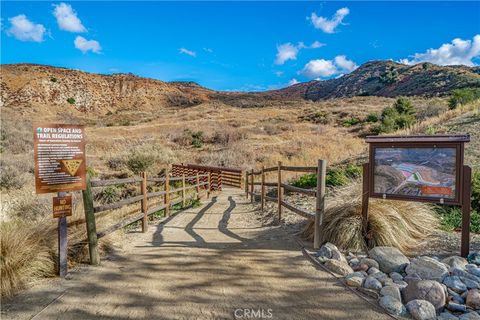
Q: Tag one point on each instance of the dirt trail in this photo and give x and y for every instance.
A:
(203, 263)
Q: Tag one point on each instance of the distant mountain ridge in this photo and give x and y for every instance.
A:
(33, 85)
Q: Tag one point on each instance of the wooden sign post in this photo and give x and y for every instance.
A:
(419, 168)
(59, 156)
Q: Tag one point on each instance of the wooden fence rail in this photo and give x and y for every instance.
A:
(318, 192)
(198, 182)
(218, 175)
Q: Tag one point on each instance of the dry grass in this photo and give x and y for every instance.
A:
(399, 224)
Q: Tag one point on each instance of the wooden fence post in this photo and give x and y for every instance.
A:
(246, 183)
(320, 205)
(466, 211)
(263, 188)
(280, 191)
(252, 198)
(90, 223)
(183, 190)
(365, 198)
(197, 182)
(144, 202)
(166, 198)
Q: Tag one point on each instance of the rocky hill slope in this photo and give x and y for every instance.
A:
(27, 85)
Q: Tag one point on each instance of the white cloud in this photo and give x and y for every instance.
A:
(208, 50)
(292, 82)
(329, 25)
(288, 51)
(457, 52)
(285, 52)
(319, 68)
(187, 52)
(344, 64)
(67, 18)
(25, 30)
(85, 45)
(322, 68)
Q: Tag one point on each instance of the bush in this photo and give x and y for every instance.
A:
(372, 117)
(335, 177)
(139, 162)
(197, 139)
(399, 116)
(351, 122)
(463, 96)
(71, 100)
(53, 79)
(389, 76)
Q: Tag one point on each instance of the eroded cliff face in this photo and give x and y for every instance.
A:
(33, 85)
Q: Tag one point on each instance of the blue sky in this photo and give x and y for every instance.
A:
(245, 46)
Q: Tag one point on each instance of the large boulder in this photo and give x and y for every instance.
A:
(428, 290)
(372, 283)
(391, 291)
(427, 268)
(326, 250)
(389, 259)
(474, 257)
(392, 306)
(421, 310)
(370, 263)
(473, 299)
(355, 279)
(455, 261)
(338, 267)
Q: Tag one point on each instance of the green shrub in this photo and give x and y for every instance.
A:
(463, 96)
(91, 172)
(372, 117)
(476, 190)
(53, 79)
(389, 76)
(399, 116)
(351, 122)
(335, 177)
(197, 139)
(71, 100)
(139, 162)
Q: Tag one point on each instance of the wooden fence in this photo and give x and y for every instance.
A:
(318, 192)
(219, 175)
(197, 182)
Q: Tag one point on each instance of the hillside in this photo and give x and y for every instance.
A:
(389, 79)
(27, 85)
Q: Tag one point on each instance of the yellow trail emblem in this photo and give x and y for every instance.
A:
(72, 166)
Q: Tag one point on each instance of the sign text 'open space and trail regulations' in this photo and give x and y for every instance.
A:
(59, 152)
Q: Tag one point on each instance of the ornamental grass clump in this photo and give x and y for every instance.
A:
(400, 224)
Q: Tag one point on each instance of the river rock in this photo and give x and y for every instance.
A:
(326, 250)
(455, 261)
(370, 263)
(392, 306)
(372, 283)
(391, 291)
(470, 284)
(338, 267)
(469, 316)
(454, 283)
(337, 255)
(400, 284)
(353, 262)
(456, 307)
(360, 267)
(446, 316)
(474, 257)
(473, 269)
(355, 279)
(421, 309)
(464, 274)
(389, 259)
(427, 268)
(373, 270)
(396, 276)
(473, 299)
(428, 290)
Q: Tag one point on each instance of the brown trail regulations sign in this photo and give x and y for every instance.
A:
(419, 168)
(59, 152)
